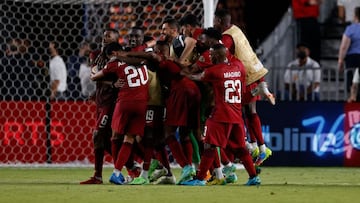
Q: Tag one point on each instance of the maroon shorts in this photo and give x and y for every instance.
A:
(154, 128)
(183, 107)
(237, 136)
(219, 134)
(129, 117)
(248, 98)
(103, 117)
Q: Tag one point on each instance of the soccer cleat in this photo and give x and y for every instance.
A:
(139, 181)
(153, 165)
(187, 173)
(134, 172)
(92, 180)
(194, 182)
(217, 181)
(263, 156)
(128, 179)
(253, 181)
(157, 174)
(166, 180)
(232, 178)
(262, 89)
(118, 180)
(208, 176)
(227, 170)
(255, 153)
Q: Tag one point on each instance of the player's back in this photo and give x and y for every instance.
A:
(135, 86)
(228, 80)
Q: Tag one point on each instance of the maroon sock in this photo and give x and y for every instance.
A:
(188, 149)
(255, 131)
(123, 155)
(224, 158)
(207, 159)
(115, 148)
(177, 151)
(99, 160)
(230, 154)
(246, 160)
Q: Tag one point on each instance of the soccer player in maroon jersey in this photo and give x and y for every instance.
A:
(105, 97)
(182, 110)
(129, 114)
(228, 80)
(182, 103)
(236, 42)
(153, 132)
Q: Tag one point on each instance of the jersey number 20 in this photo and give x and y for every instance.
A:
(135, 76)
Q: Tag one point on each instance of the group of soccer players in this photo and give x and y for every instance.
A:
(187, 91)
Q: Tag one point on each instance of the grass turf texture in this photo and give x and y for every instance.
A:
(279, 184)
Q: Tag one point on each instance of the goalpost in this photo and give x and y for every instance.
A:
(33, 130)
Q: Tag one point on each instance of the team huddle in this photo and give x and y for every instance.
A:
(193, 91)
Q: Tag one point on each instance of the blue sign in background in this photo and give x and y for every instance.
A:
(303, 133)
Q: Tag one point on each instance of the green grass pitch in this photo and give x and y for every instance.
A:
(279, 184)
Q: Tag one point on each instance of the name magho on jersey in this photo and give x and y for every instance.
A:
(232, 74)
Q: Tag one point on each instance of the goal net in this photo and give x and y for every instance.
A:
(33, 129)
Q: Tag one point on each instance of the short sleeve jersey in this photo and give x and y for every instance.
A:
(227, 81)
(136, 80)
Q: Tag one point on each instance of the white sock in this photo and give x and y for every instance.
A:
(117, 172)
(196, 166)
(262, 148)
(229, 164)
(253, 146)
(218, 173)
(144, 174)
(249, 146)
(264, 88)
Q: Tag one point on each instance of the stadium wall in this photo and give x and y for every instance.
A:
(299, 133)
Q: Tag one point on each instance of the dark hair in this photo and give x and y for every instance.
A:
(93, 46)
(213, 33)
(173, 23)
(113, 31)
(222, 13)
(113, 46)
(302, 44)
(138, 28)
(357, 12)
(218, 46)
(189, 19)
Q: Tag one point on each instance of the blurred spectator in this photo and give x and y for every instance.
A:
(302, 77)
(306, 13)
(73, 65)
(19, 74)
(346, 10)
(349, 51)
(58, 74)
(354, 92)
(87, 85)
